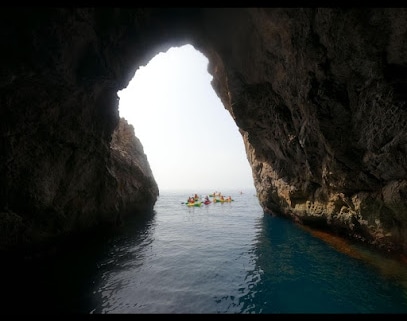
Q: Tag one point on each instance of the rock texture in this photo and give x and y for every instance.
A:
(319, 95)
(134, 187)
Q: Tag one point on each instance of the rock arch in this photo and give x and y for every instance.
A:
(318, 95)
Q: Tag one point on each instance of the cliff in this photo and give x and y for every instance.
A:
(319, 96)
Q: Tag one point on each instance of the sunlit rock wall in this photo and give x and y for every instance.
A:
(135, 187)
(320, 98)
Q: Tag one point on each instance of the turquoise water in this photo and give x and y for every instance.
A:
(218, 258)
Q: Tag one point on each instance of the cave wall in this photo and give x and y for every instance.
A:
(61, 170)
(317, 93)
(320, 98)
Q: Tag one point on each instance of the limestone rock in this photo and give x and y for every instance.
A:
(319, 96)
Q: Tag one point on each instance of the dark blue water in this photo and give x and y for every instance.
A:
(218, 258)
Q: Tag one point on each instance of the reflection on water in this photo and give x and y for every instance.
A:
(303, 275)
(390, 267)
(225, 258)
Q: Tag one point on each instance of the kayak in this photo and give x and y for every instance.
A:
(207, 202)
(197, 204)
(216, 200)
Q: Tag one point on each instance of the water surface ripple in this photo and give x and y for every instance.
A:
(218, 258)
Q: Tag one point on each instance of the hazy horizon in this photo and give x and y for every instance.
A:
(190, 139)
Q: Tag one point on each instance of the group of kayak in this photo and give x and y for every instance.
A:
(216, 198)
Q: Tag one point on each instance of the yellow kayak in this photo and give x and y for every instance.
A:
(217, 200)
(194, 204)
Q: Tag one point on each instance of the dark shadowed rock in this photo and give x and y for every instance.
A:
(319, 96)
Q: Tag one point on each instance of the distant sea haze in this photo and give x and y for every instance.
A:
(186, 122)
(222, 258)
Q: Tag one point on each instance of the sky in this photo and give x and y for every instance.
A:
(190, 139)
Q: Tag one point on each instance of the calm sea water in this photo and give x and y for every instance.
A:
(219, 258)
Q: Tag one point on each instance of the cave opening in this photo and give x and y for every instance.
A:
(191, 141)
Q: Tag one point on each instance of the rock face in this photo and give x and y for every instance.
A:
(135, 188)
(319, 96)
(324, 121)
